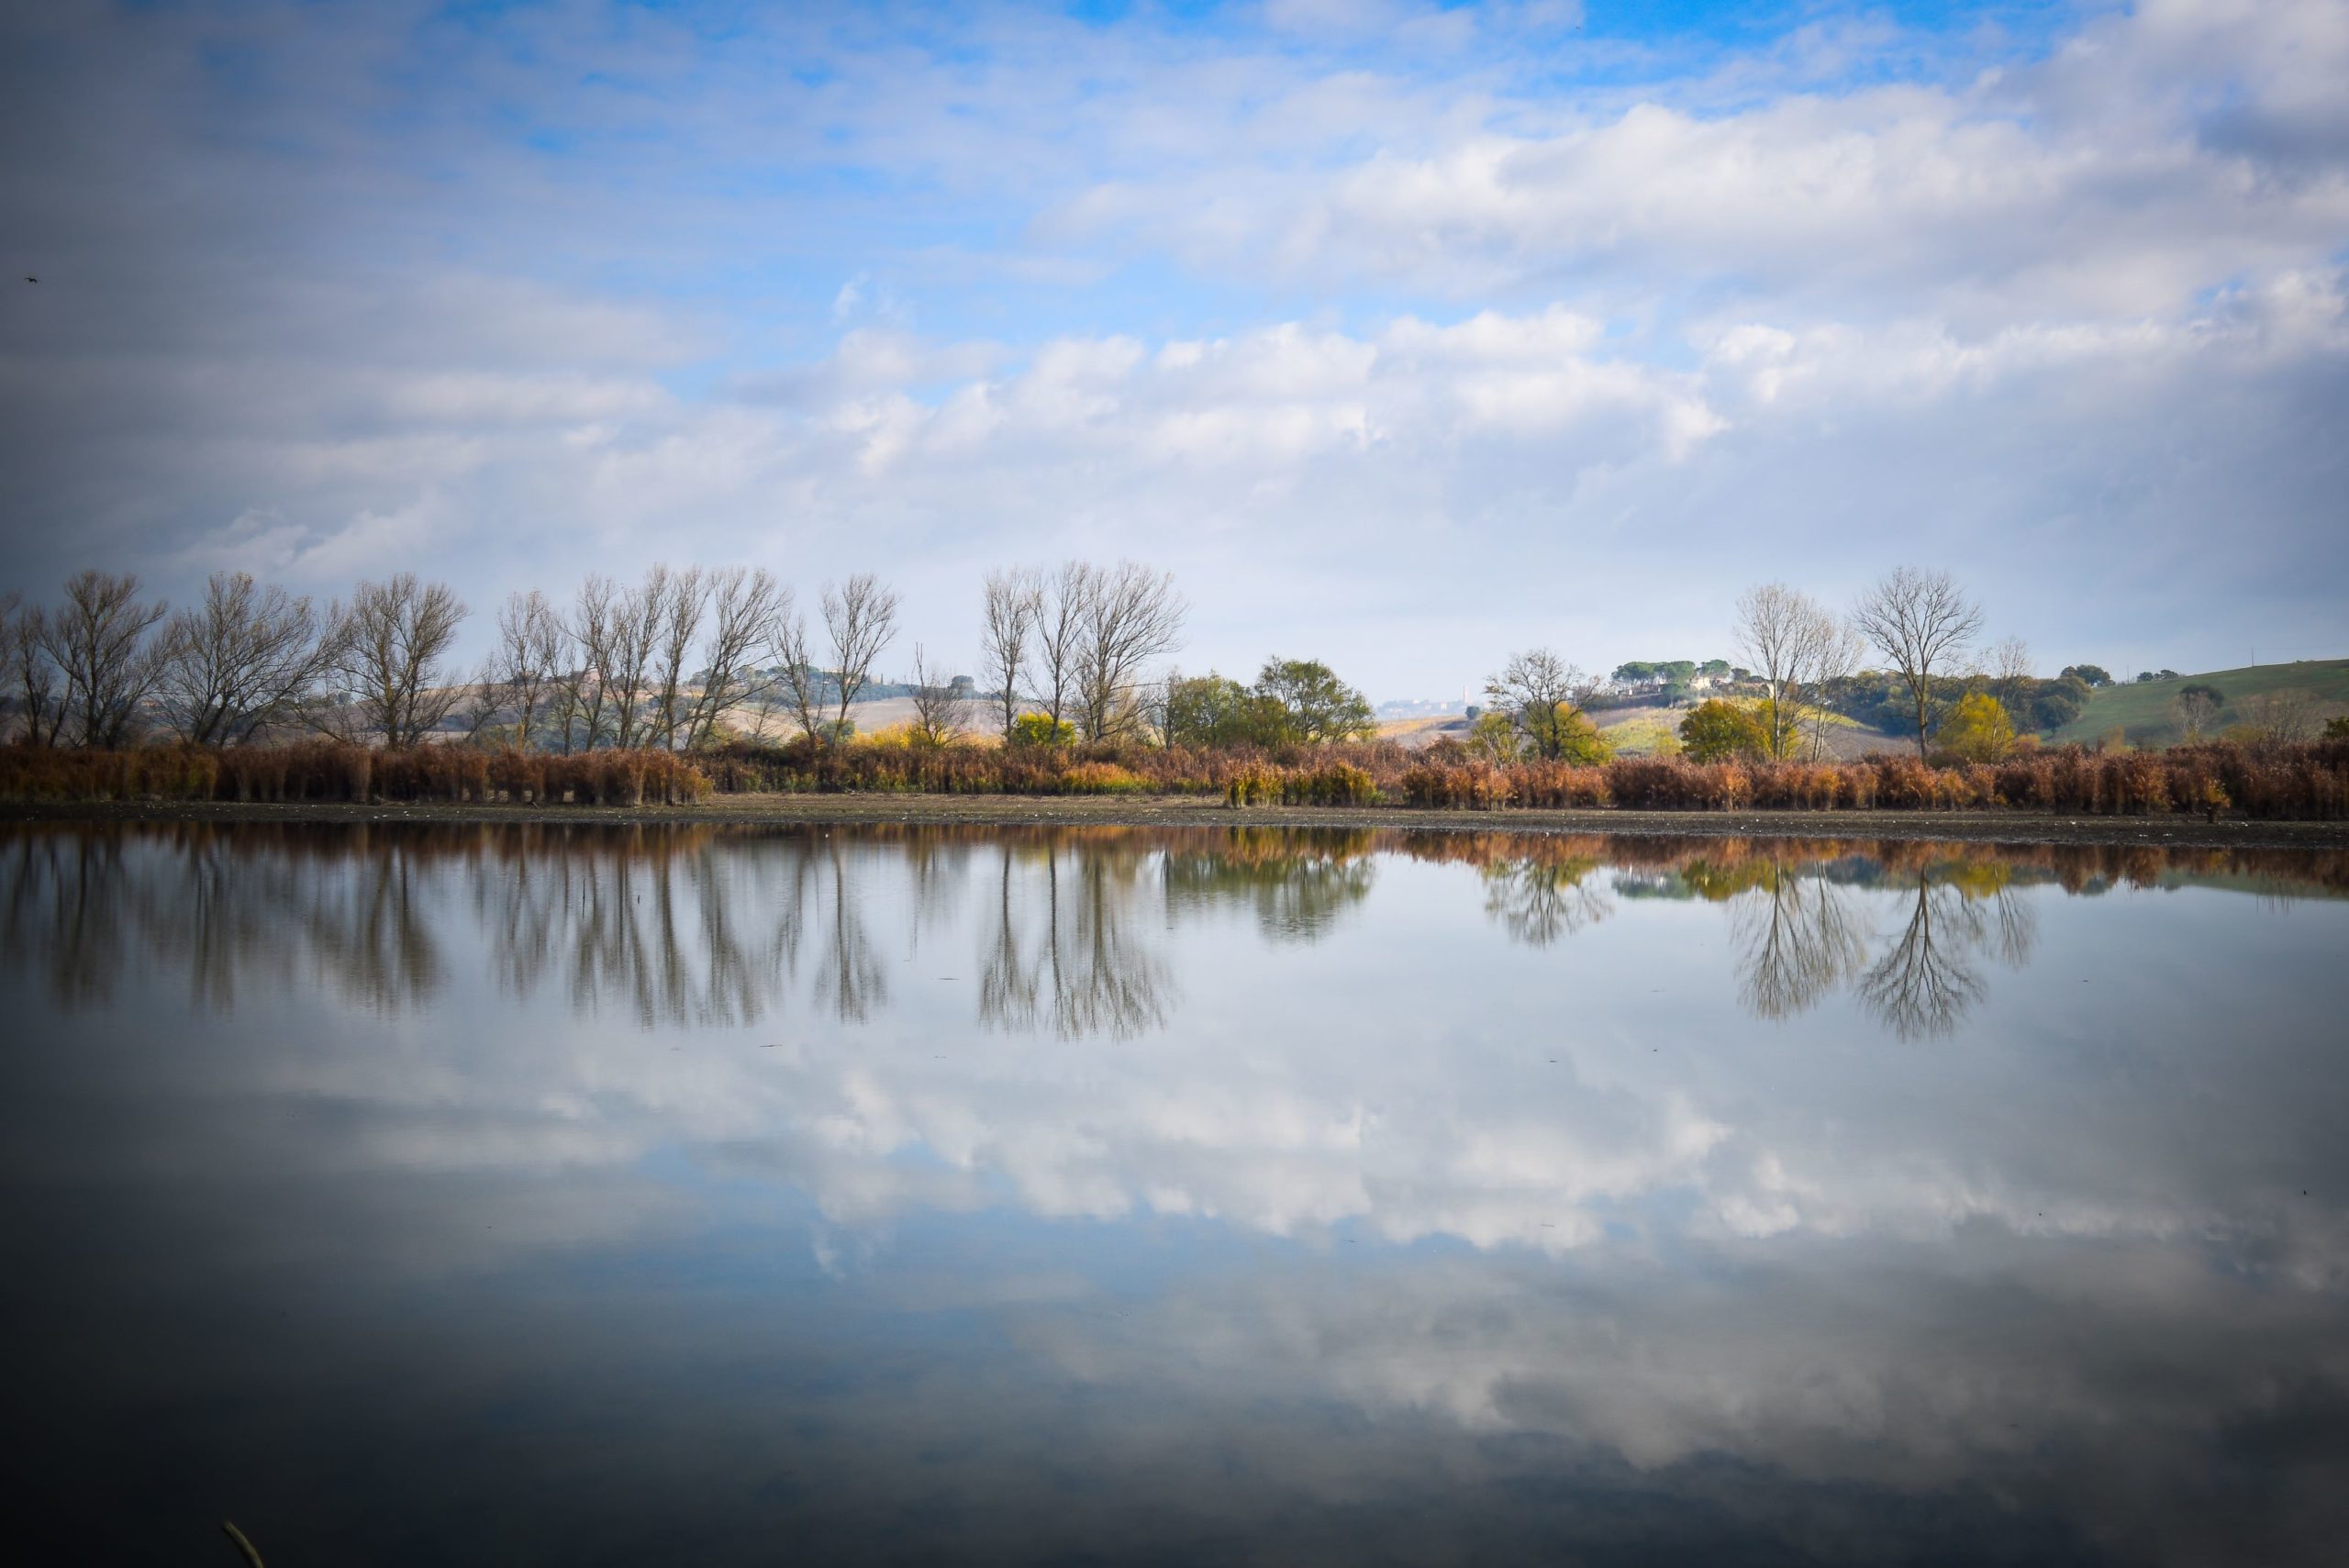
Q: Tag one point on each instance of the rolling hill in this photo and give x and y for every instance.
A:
(2146, 715)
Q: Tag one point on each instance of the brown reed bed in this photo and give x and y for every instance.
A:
(2220, 779)
(332, 771)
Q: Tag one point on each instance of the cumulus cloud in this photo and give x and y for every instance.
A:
(1366, 308)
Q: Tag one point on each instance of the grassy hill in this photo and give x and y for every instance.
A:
(2146, 715)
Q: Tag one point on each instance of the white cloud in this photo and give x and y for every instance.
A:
(1374, 312)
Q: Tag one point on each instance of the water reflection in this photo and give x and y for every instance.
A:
(711, 925)
(907, 1194)
(1068, 955)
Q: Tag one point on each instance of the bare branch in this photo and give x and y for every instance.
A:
(1014, 603)
(240, 663)
(861, 618)
(941, 709)
(98, 640)
(389, 645)
(1132, 619)
(1923, 625)
(749, 607)
(1786, 636)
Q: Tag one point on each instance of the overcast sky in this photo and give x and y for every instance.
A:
(1404, 335)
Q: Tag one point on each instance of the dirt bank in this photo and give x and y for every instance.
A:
(1981, 827)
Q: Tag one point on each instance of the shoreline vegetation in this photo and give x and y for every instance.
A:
(2221, 792)
(661, 695)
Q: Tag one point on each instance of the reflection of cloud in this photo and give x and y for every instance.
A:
(1638, 1254)
(2071, 1391)
(1265, 1092)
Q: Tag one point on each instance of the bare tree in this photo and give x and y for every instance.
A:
(2010, 675)
(1838, 660)
(389, 644)
(685, 599)
(1015, 602)
(941, 709)
(31, 674)
(97, 638)
(1540, 691)
(580, 694)
(1785, 635)
(2285, 715)
(637, 616)
(1922, 624)
(240, 663)
(804, 686)
(523, 669)
(1064, 610)
(861, 619)
(2197, 706)
(748, 609)
(1132, 619)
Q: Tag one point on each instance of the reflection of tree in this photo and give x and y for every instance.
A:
(849, 980)
(60, 909)
(1539, 898)
(1088, 971)
(87, 901)
(1800, 936)
(1926, 981)
(370, 932)
(1298, 880)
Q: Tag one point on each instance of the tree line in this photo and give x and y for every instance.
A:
(676, 660)
(685, 658)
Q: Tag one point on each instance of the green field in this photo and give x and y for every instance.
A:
(2145, 713)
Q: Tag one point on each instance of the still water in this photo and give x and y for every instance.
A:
(417, 1194)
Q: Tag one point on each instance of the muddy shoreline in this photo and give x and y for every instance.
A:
(1191, 811)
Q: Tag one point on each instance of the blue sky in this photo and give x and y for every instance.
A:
(1404, 335)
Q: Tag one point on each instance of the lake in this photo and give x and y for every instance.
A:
(419, 1193)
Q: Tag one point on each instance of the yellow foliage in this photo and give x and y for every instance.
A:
(1978, 729)
(888, 738)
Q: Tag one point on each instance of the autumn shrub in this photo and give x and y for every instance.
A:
(1100, 778)
(1339, 783)
(1456, 782)
(1559, 786)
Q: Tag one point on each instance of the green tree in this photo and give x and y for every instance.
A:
(2058, 702)
(1715, 731)
(1575, 739)
(1211, 710)
(1978, 729)
(1312, 703)
(2095, 675)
